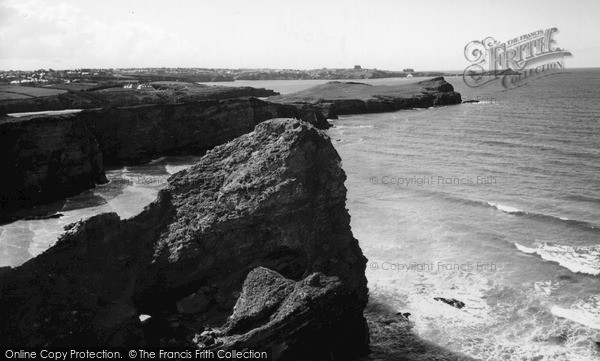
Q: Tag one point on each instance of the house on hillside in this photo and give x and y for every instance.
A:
(144, 87)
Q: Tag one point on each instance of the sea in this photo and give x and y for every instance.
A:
(494, 203)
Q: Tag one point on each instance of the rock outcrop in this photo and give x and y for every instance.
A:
(295, 320)
(451, 301)
(340, 98)
(46, 158)
(273, 198)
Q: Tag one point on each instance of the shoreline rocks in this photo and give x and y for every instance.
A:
(451, 301)
(273, 198)
(393, 337)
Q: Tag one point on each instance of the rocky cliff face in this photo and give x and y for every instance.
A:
(46, 158)
(272, 198)
(186, 128)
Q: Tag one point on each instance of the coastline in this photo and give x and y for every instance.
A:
(377, 315)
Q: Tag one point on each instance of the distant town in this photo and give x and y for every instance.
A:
(48, 77)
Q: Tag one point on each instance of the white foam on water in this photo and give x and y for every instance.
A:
(503, 208)
(524, 249)
(45, 235)
(545, 287)
(534, 336)
(354, 126)
(415, 291)
(173, 168)
(45, 112)
(576, 259)
(584, 313)
(132, 201)
(157, 160)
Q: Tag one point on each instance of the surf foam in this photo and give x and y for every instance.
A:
(576, 259)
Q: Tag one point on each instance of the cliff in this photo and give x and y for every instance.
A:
(339, 98)
(118, 97)
(273, 198)
(46, 158)
(183, 128)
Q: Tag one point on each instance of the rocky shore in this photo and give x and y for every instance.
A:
(342, 98)
(251, 247)
(393, 338)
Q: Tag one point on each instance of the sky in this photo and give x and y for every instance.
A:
(283, 34)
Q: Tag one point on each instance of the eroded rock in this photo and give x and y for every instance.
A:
(297, 320)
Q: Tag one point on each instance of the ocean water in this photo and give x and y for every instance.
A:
(495, 204)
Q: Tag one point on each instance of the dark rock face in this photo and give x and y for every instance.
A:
(451, 301)
(272, 198)
(187, 128)
(339, 98)
(262, 293)
(296, 320)
(47, 158)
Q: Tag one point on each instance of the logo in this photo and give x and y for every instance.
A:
(514, 62)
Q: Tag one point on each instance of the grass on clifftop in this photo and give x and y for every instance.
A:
(336, 90)
(24, 92)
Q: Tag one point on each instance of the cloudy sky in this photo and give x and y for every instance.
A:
(383, 34)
